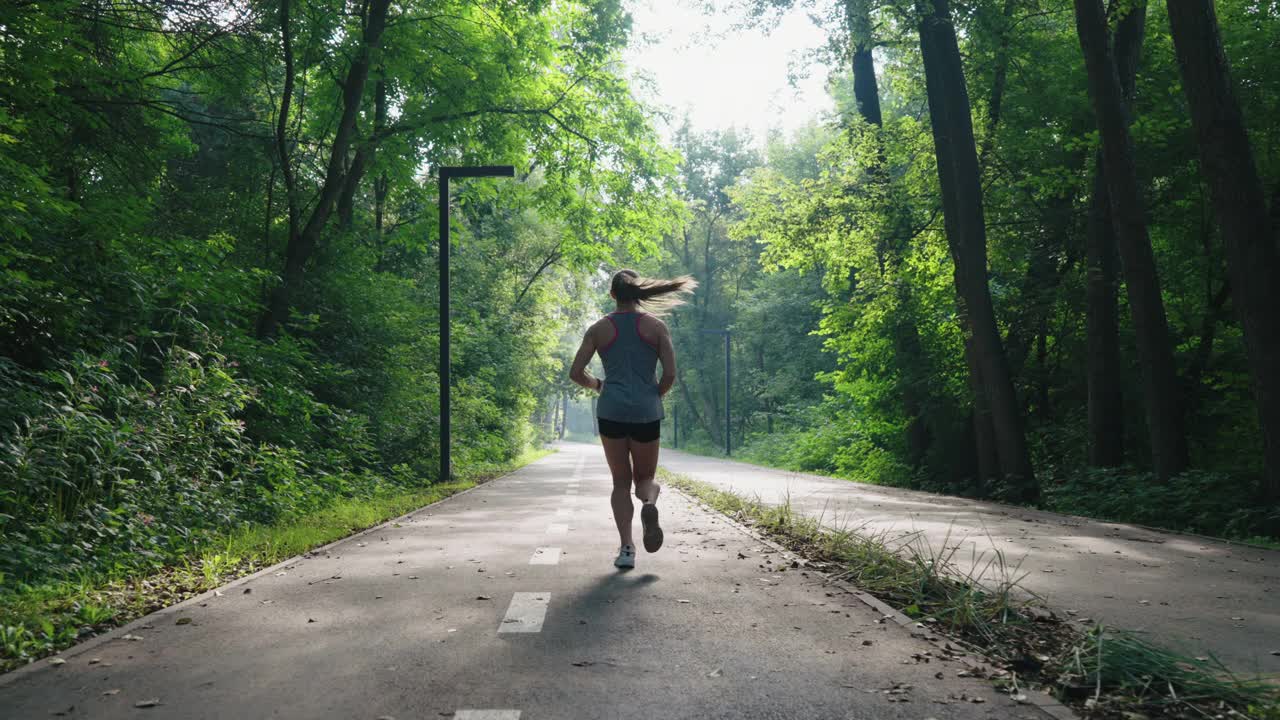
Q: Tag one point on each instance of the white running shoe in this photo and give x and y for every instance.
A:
(626, 557)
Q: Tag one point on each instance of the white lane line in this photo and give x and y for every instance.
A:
(486, 715)
(545, 556)
(526, 613)
(557, 529)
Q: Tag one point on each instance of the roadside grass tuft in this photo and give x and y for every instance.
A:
(38, 620)
(987, 610)
(1121, 669)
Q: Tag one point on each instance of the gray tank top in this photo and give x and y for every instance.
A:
(630, 392)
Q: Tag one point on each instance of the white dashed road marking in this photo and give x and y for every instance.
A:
(526, 613)
(545, 556)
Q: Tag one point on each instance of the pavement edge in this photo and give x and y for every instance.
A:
(1037, 699)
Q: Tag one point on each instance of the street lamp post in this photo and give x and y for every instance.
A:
(446, 173)
(726, 333)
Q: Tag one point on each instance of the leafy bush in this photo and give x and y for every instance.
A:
(1196, 501)
(102, 468)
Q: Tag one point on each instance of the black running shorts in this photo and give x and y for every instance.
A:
(640, 432)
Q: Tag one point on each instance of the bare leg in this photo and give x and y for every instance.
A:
(617, 454)
(644, 464)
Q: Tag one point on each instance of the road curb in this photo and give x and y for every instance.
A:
(1036, 699)
(150, 619)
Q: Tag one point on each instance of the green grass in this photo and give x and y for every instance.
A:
(1135, 676)
(1105, 673)
(38, 620)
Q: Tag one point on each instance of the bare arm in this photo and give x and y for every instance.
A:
(578, 373)
(667, 354)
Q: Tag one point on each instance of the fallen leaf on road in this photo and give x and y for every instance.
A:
(583, 663)
(57, 661)
(714, 673)
(183, 621)
(218, 593)
(867, 642)
(247, 591)
(127, 636)
(311, 620)
(483, 597)
(95, 661)
(147, 703)
(111, 692)
(683, 602)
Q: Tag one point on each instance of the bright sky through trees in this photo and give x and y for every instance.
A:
(721, 75)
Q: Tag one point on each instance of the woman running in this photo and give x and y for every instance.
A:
(631, 343)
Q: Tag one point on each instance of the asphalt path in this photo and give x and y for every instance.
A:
(502, 604)
(1196, 594)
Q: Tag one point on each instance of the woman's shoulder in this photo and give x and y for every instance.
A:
(651, 324)
(602, 329)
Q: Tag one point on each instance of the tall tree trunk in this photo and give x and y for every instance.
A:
(1239, 202)
(866, 91)
(1102, 317)
(350, 186)
(303, 244)
(961, 185)
(708, 411)
(1102, 322)
(282, 123)
(1161, 392)
(363, 158)
(999, 78)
